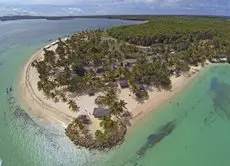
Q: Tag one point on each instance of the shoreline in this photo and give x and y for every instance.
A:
(187, 81)
(29, 98)
(47, 112)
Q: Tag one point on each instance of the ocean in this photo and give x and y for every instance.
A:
(191, 129)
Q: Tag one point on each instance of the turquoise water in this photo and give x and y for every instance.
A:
(23, 141)
(193, 129)
(201, 127)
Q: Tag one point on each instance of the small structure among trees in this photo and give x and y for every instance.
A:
(101, 112)
(124, 84)
(219, 58)
(91, 92)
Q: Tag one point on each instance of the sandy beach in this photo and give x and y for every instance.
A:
(53, 112)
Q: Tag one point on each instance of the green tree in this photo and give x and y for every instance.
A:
(73, 106)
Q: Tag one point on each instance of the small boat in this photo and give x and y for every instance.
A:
(1, 162)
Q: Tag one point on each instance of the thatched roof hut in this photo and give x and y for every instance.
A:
(101, 112)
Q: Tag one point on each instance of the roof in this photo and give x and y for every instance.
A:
(130, 61)
(124, 84)
(91, 92)
(141, 87)
(221, 56)
(101, 112)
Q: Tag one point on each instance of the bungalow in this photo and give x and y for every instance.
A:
(98, 63)
(157, 56)
(91, 92)
(114, 66)
(142, 88)
(100, 70)
(124, 84)
(129, 62)
(101, 112)
(86, 64)
(220, 58)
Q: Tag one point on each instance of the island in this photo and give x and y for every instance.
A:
(30, 17)
(99, 83)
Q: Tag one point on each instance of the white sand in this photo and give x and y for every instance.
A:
(46, 109)
(49, 111)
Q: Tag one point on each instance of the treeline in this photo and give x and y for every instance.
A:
(174, 30)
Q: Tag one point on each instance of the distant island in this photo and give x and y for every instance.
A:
(122, 17)
(28, 17)
(98, 82)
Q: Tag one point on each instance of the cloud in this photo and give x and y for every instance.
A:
(72, 10)
(15, 11)
(75, 2)
(91, 7)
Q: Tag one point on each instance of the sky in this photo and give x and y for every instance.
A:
(99, 7)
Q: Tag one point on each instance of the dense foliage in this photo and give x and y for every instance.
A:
(142, 56)
(177, 32)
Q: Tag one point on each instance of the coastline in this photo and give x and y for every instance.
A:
(178, 86)
(48, 111)
(35, 104)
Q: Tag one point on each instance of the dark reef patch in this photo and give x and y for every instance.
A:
(214, 84)
(220, 97)
(157, 137)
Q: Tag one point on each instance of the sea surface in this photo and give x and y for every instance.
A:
(193, 129)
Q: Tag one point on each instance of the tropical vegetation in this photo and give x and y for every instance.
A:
(144, 56)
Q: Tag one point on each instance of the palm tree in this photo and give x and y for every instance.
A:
(118, 107)
(78, 123)
(52, 95)
(62, 96)
(73, 106)
(122, 104)
(107, 123)
(134, 87)
(40, 85)
(98, 84)
(101, 101)
(49, 56)
(99, 135)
